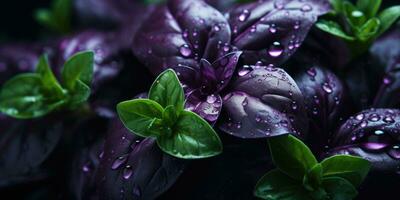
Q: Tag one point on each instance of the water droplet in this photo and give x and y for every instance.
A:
(375, 146)
(245, 102)
(327, 88)
(296, 25)
(211, 99)
(394, 152)
(86, 167)
(278, 5)
(253, 29)
(387, 80)
(185, 50)
(245, 70)
(101, 154)
(244, 15)
(201, 21)
(226, 47)
(388, 119)
(217, 28)
(127, 173)
(364, 124)
(185, 33)
(258, 119)
(294, 105)
(374, 118)
(312, 72)
(306, 8)
(315, 111)
(357, 13)
(379, 132)
(118, 162)
(360, 117)
(275, 50)
(272, 29)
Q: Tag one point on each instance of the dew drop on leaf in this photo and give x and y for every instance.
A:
(185, 50)
(275, 50)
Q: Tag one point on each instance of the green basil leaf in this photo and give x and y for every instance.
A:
(58, 18)
(355, 17)
(45, 18)
(337, 5)
(169, 115)
(138, 115)
(333, 28)
(78, 67)
(81, 93)
(22, 97)
(158, 127)
(167, 90)
(291, 156)
(369, 7)
(192, 137)
(354, 169)
(339, 188)
(387, 17)
(49, 81)
(313, 178)
(62, 12)
(277, 185)
(369, 29)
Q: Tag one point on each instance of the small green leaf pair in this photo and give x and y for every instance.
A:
(299, 175)
(180, 133)
(58, 18)
(358, 24)
(32, 95)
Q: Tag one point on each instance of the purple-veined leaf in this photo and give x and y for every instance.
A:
(263, 102)
(271, 31)
(134, 168)
(373, 134)
(107, 53)
(387, 51)
(325, 100)
(24, 147)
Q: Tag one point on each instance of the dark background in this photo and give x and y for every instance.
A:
(17, 24)
(17, 21)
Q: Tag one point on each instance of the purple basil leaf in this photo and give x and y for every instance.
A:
(264, 102)
(179, 34)
(133, 167)
(106, 46)
(204, 98)
(325, 99)
(208, 108)
(363, 78)
(271, 31)
(86, 149)
(373, 134)
(387, 52)
(224, 68)
(24, 147)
